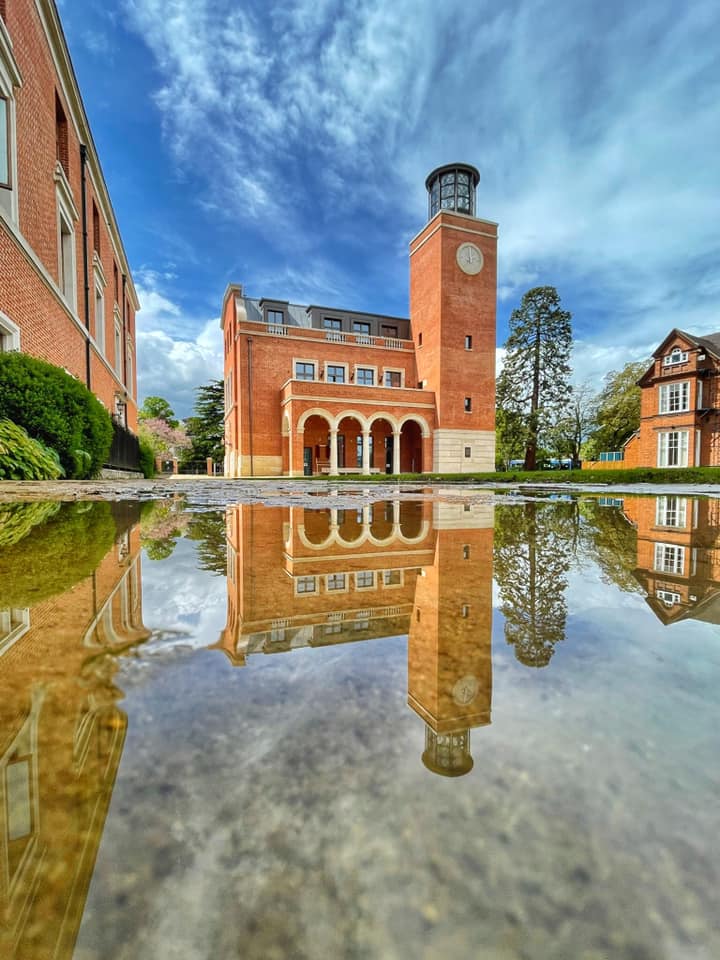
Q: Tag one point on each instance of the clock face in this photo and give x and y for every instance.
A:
(465, 690)
(469, 258)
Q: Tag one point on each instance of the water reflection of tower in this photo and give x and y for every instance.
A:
(449, 643)
(61, 729)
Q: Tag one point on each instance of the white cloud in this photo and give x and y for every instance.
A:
(173, 359)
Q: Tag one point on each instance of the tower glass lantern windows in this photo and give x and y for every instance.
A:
(452, 188)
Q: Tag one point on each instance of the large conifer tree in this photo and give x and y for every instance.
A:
(535, 379)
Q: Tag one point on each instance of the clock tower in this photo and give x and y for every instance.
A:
(453, 296)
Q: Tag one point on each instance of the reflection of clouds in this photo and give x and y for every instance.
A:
(178, 598)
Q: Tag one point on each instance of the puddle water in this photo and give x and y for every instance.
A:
(407, 730)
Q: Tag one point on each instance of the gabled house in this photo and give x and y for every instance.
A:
(680, 403)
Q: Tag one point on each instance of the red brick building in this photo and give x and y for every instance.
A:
(66, 294)
(680, 405)
(314, 389)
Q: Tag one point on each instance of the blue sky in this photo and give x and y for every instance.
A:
(285, 146)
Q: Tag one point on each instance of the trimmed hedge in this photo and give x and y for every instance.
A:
(22, 458)
(58, 410)
(147, 459)
(550, 477)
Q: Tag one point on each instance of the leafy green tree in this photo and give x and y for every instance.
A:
(208, 529)
(611, 541)
(157, 408)
(206, 428)
(618, 410)
(570, 431)
(535, 379)
(510, 437)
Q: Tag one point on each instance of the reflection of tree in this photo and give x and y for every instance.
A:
(208, 529)
(162, 524)
(534, 543)
(612, 542)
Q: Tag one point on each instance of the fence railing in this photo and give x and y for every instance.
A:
(124, 450)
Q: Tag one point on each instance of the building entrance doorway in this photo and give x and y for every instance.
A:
(307, 461)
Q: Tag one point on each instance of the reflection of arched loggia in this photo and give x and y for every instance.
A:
(319, 539)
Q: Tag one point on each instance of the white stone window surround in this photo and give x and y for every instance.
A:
(308, 360)
(361, 575)
(130, 360)
(335, 363)
(671, 511)
(306, 586)
(365, 366)
(9, 334)
(67, 217)
(400, 370)
(336, 583)
(100, 283)
(674, 397)
(676, 355)
(10, 80)
(669, 558)
(117, 350)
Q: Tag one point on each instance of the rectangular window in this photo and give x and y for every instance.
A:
(276, 317)
(468, 404)
(671, 511)
(392, 578)
(468, 452)
(330, 323)
(304, 371)
(419, 339)
(668, 597)
(4, 142)
(468, 343)
(389, 331)
(61, 137)
(675, 397)
(365, 376)
(67, 260)
(364, 579)
(335, 374)
(19, 800)
(669, 558)
(673, 448)
(305, 585)
(676, 355)
(335, 581)
(361, 326)
(466, 552)
(393, 378)
(116, 284)
(100, 319)
(118, 350)
(96, 228)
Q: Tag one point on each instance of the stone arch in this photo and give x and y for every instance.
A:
(353, 415)
(314, 412)
(421, 422)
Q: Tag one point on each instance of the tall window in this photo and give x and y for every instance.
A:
(468, 342)
(96, 228)
(468, 405)
(669, 558)
(671, 511)
(118, 350)
(675, 397)
(365, 376)
(99, 317)
(673, 448)
(66, 251)
(304, 371)
(130, 370)
(61, 137)
(4, 142)
(359, 455)
(116, 282)
(335, 374)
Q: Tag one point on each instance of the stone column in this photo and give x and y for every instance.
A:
(333, 451)
(396, 452)
(366, 453)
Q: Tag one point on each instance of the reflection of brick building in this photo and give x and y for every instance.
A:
(66, 294)
(680, 405)
(61, 738)
(319, 577)
(678, 555)
(321, 390)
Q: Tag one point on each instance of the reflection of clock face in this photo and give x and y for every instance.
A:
(469, 258)
(465, 690)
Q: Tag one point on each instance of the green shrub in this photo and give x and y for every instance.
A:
(56, 554)
(58, 410)
(22, 458)
(147, 460)
(18, 519)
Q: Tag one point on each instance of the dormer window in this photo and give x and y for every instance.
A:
(676, 355)
(276, 317)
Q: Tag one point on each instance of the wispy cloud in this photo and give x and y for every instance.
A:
(313, 125)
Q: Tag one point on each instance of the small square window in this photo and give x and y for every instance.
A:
(304, 371)
(468, 452)
(388, 331)
(392, 578)
(336, 581)
(468, 404)
(393, 378)
(330, 323)
(365, 376)
(305, 585)
(365, 578)
(335, 374)
(276, 317)
(361, 326)
(468, 343)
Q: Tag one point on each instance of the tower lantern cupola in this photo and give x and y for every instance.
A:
(452, 188)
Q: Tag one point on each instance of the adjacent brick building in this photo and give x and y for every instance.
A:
(314, 389)
(680, 404)
(66, 294)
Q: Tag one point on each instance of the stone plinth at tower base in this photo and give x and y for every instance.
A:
(463, 451)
